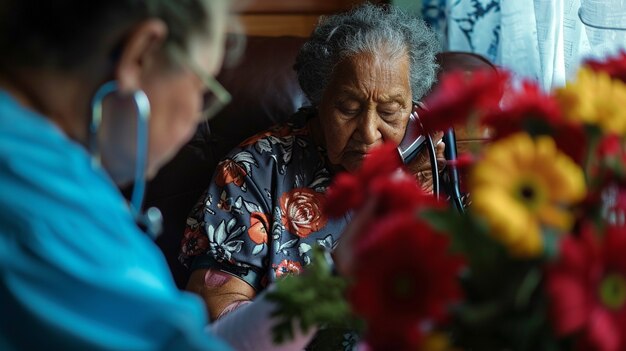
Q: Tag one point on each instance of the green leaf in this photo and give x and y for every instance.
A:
(301, 301)
(469, 237)
(480, 314)
(527, 287)
(537, 126)
(443, 220)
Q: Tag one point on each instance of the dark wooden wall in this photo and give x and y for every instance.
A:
(288, 17)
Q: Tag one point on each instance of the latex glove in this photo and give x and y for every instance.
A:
(249, 327)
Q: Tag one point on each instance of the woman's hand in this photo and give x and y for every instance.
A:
(221, 292)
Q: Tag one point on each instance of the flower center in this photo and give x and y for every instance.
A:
(527, 192)
(530, 194)
(403, 286)
(613, 291)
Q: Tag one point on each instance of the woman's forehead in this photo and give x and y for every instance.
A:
(371, 69)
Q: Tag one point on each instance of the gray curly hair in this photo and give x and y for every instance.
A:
(367, 29)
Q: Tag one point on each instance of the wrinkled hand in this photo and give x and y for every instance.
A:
(420, 166)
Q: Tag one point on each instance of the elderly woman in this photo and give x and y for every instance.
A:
(361, 70)
(90, 92)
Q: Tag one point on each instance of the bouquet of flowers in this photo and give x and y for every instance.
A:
(537, 261)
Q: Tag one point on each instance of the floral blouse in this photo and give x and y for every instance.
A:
(261, 214)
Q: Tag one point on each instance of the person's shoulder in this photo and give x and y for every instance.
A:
(25, 133)
(35, 149)
(296, 125)
(286, 150)
(43, 172)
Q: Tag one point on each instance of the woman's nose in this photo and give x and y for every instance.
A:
(369, 127)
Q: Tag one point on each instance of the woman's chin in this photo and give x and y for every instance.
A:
(353, 162)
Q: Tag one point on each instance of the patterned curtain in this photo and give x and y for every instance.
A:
(543, 40)
(466, 25)
(605, 25)
(435, 14)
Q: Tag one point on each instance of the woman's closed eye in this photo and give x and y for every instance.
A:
(389, 111)
(388, 114)
(349, 109)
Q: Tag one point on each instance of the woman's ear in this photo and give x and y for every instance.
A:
(139, 53)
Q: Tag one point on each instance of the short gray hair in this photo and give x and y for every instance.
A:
(367, 29)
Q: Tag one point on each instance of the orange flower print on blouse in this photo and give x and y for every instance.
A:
(287, 267)
(229, 171)
(194, 242)
(258, 228)
(301, 211)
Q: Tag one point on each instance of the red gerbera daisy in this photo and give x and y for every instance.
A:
(400, 193)
(383, 161)
(587, 289)
(529, 109)
(526, 108)
(461, 94)
(403, 276)
(609, 146)
(345, 194)
(349, 191)
(608, 166)
(614, 66)
(381, 177)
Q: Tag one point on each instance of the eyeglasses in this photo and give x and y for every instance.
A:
(216, 96)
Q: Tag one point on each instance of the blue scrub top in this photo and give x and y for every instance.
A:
(75, 271)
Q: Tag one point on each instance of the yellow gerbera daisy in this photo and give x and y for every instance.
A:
(523, 184)
(594, 98)
(437, 341)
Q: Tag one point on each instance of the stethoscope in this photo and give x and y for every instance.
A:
(151, 220)
(414, 142)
